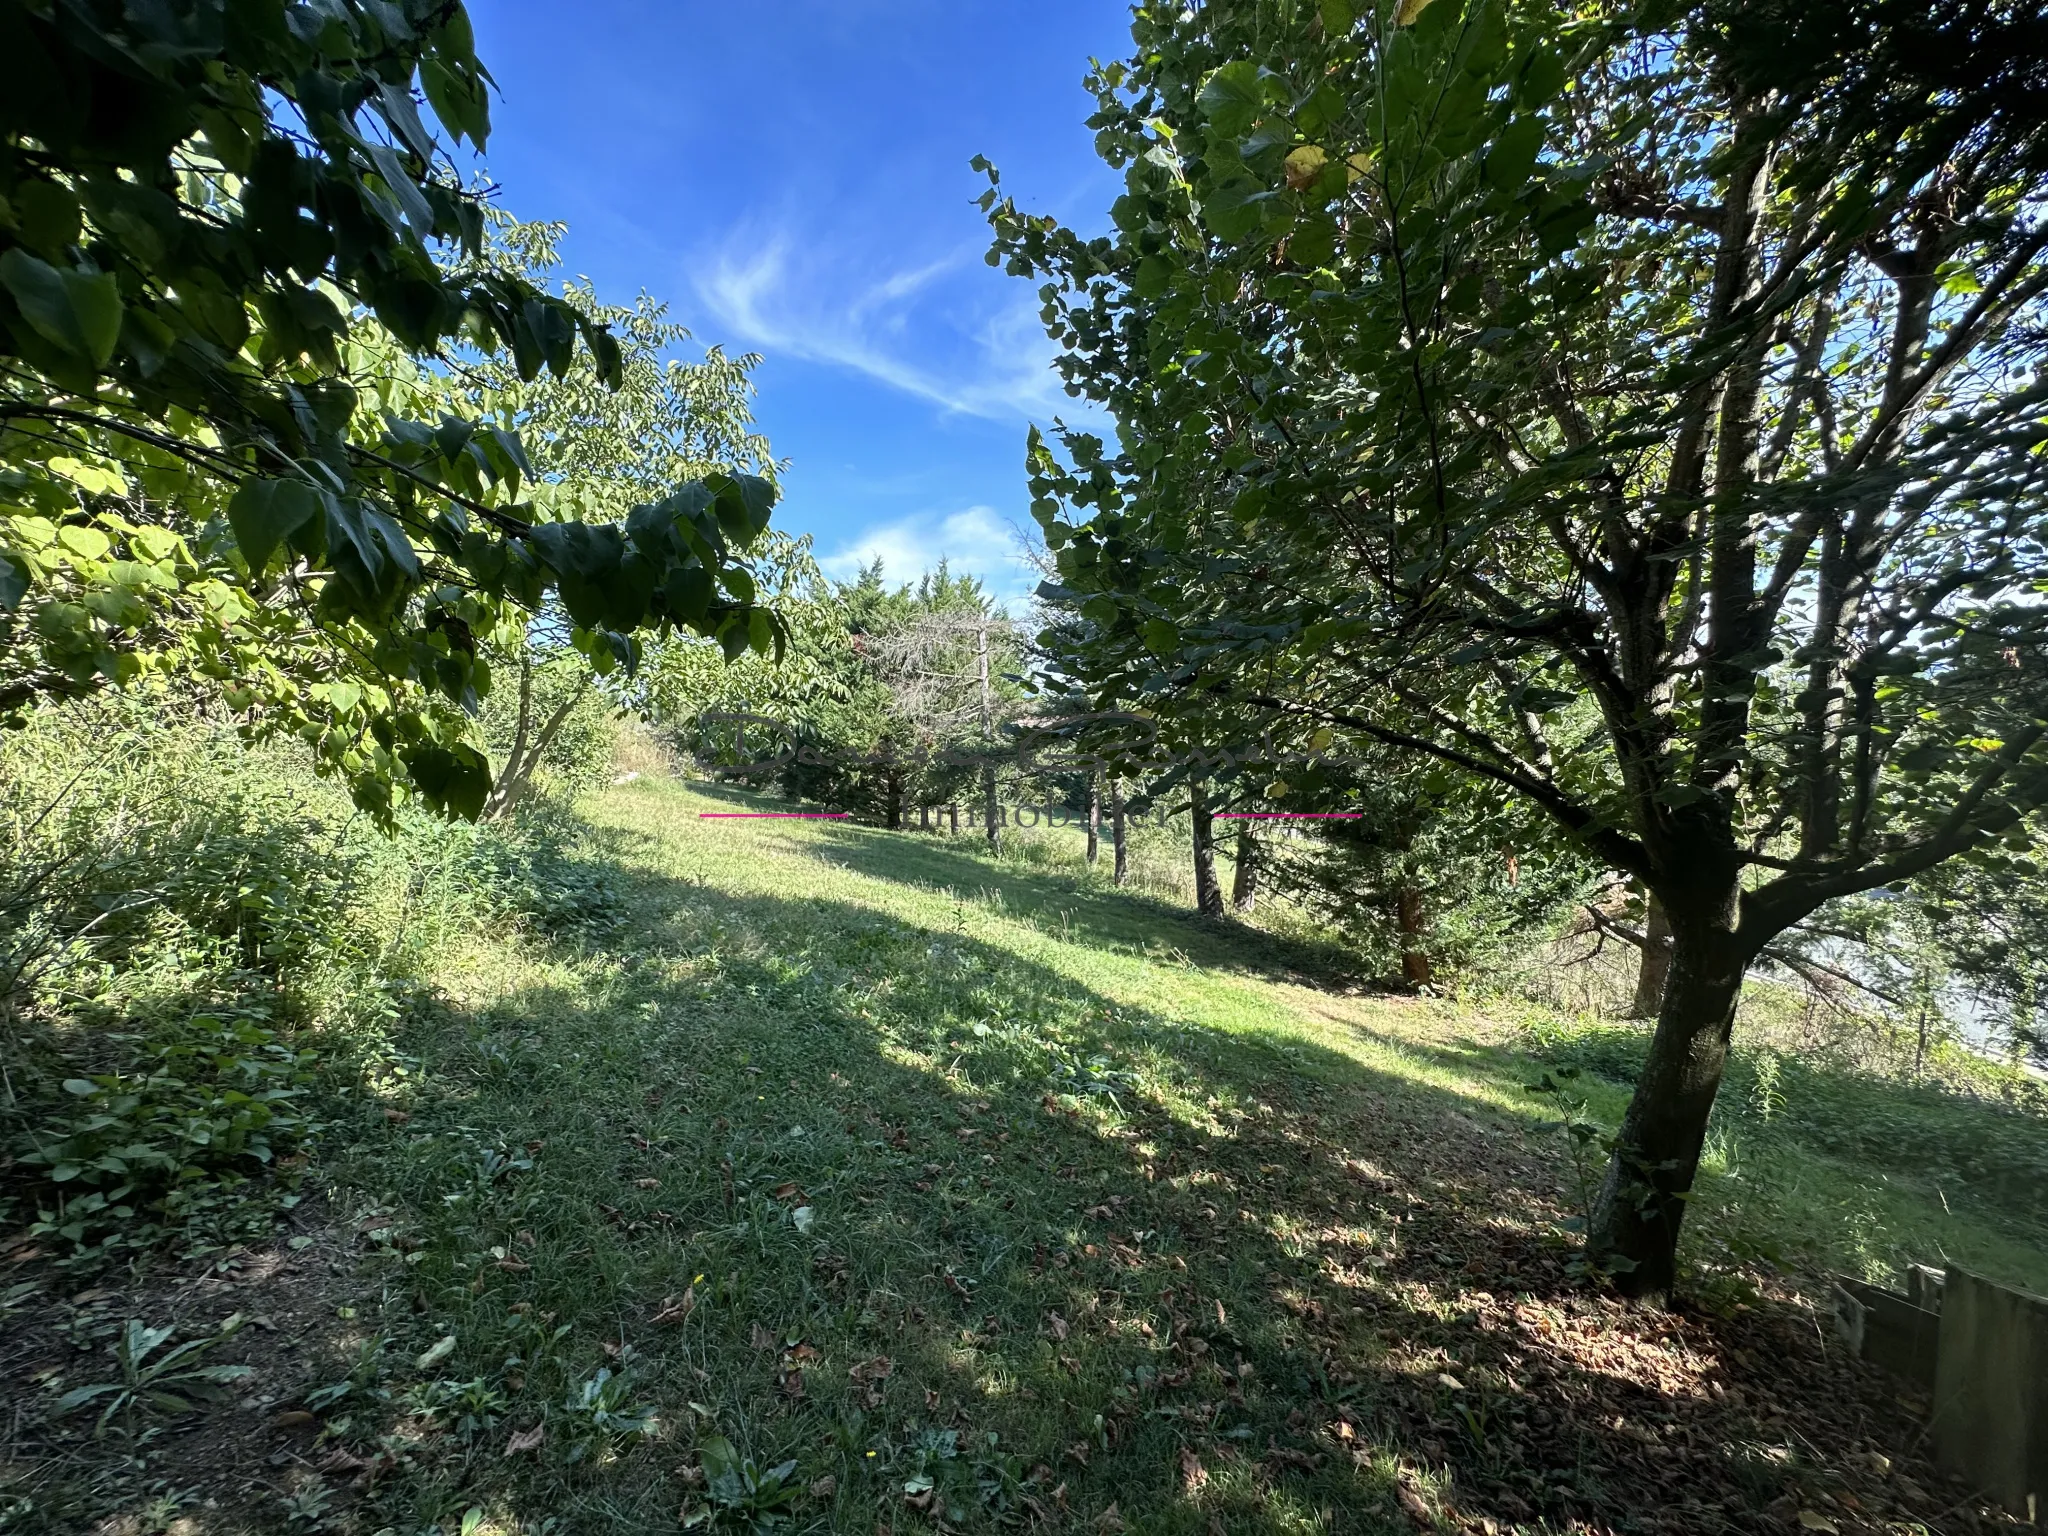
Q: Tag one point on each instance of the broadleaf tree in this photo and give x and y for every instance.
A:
(226, 231)
(1637, 407)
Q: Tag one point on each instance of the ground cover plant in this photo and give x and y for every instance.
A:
(855, 1178)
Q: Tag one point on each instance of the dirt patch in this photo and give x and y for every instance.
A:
(225, 1466)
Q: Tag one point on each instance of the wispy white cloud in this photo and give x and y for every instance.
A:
(808, 297)
(976, 540)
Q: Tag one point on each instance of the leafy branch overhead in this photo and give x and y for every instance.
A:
(1636, 409)
(229, 238)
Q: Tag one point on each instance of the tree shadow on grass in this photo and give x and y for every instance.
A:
(1099, 913)
(973, 1243)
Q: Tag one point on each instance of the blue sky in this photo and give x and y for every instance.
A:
(791, 177)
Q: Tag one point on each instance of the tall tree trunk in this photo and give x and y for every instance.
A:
(1116, 833)
(924, 818)
(953, 820)
(1094, 816)
(991, 813)
(1244, 885)
(1408, 916)
(1656, 962)
(1208, 893)
(1635, 1219)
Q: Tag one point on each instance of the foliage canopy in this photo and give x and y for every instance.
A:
(225, 233)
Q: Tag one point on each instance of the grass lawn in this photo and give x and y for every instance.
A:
(859, 1179)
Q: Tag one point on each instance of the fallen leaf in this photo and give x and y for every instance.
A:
(647, 1183)
(436, 1353)
(825, 1487)
(674, 1309)
(525, 1440)
(1058, 1325)
(294, 1418)
(1445, 1378)
(1192, 1473)
(789, 1191)
(1814, 1520)
(1110, 1520)
(1411, 1501)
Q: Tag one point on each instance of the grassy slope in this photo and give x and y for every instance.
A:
(993, 1198)
(965, 1170)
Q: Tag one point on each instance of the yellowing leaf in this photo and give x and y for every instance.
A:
(1410, 9)
(1304, 164)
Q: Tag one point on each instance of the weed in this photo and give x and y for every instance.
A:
(743, 1496)
(168, 1383)
(600, 1417)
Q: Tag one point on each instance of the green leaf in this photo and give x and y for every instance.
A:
(13, 583)
(454, 781)
(688, 590)
(1233, 97)
(1513, 154)
(81, 1395)
(721, 1464)
(78, 311)
(265, 514)
(1541, 78)
(80, 1087)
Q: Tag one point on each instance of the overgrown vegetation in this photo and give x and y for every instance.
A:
(200, 943)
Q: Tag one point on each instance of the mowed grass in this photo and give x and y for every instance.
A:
(949, 1192)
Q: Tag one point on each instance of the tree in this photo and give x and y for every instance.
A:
(217, 271)
(948, 655)
(594, 448)
(1635, 408)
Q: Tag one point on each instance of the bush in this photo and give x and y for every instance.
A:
(196, 938)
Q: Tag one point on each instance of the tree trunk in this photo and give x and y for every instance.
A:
(991, 813)
(1208, 893)
(953, 820)
(1116, 833)
(1408, 915)
(924, 818)
(1244, 885)
(1094, 817)
(1633, 1234)
(1656, 963)
(517, 776)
